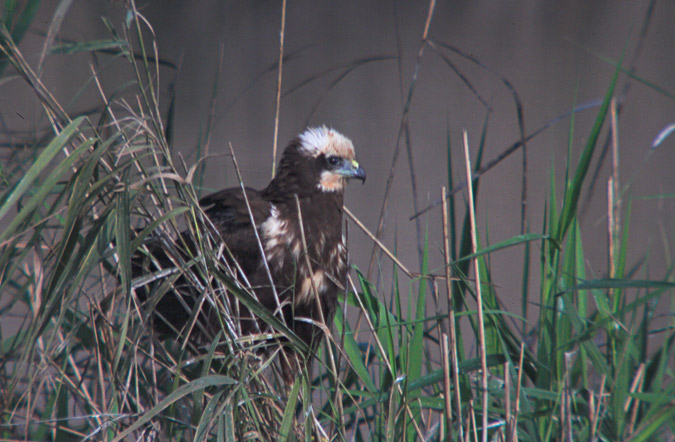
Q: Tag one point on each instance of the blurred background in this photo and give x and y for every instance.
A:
(353, 65)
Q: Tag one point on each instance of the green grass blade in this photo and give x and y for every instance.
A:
(18, 28)
(123, 235)
(41, 163)
(89, 46)
(179, 393)
(514, 241)
(353, 352)
(573, 189)
(417, 344)
(289, 412)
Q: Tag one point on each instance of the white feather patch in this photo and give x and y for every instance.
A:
(275, 236)
(321, 140)
(306, 293)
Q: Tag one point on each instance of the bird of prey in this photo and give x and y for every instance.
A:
(294, 261)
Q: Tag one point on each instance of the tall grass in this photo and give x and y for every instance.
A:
(78, 360)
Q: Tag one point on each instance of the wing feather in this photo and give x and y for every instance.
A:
(228, 210)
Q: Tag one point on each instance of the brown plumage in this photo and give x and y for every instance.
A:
(315, 167)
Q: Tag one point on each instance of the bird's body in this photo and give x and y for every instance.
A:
(300, 261)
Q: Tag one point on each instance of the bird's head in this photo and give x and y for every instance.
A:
(332, 155)
(318, 160)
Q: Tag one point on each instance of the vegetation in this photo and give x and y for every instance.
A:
(78, 362)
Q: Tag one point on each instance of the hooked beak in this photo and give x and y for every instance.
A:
(352, 169)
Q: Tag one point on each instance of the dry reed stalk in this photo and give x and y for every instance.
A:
(378, 243)
(451, 317)
(567, 402)
(479, 296)
(507, 398)
(611, 230)
(514, 425)
(278, 97)
(446, 386)
(596, 414)
(636, 387)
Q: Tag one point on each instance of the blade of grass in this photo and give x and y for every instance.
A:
(40, 164)
(179, 393)
(573, 188)
(289, 412)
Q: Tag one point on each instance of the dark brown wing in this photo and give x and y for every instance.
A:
(172, 307)
(230, 214)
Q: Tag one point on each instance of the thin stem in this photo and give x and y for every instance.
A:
(278, 98)
(451, 317)
(479, 296)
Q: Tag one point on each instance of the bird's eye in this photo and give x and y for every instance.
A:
(333, 161)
